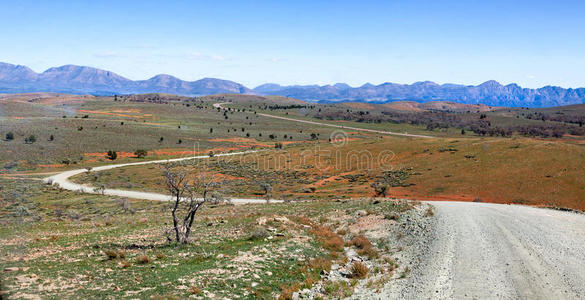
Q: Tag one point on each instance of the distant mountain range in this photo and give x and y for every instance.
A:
(490, 93)
(87, 80)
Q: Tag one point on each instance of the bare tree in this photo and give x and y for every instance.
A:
(183, 186)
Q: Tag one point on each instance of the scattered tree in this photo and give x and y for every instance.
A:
(112, 155)
(30, 140)
(10, 136)
(381, 189)
(183, 188)
(140, 153)
(266, 187)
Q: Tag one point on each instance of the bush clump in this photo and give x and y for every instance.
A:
(365, 246)
(259, 233)
(143, 259)
(358, 270)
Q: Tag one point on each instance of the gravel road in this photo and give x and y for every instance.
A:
(495, 251)
(62, 180)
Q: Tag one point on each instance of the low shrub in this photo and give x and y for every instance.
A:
(143, 259)
(361, 242)
(358, 270)
(259, 233)
(111, 254)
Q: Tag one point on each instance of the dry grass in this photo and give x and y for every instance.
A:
(358, 270)
(111, 254)
(365, 247)
(331, 240)
(360, 241)
(286, 291)
(125, 264)
(194, 290)
(143, 260)
(429, 212)
(320, 264)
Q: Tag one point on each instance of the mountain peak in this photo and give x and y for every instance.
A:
(490, 84)
(342, 86)
(15, 73)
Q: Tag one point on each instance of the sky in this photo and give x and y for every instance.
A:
(531, 43)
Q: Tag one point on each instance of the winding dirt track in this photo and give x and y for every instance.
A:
(62, 180)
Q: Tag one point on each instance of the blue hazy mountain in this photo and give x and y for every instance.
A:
(87, 80)
(489, 93)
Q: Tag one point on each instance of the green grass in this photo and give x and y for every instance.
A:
(59, 246)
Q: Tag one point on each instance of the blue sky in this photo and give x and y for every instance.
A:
(532, 43)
